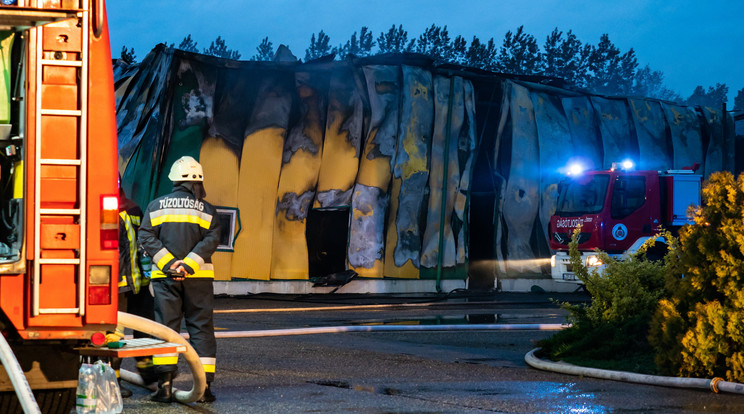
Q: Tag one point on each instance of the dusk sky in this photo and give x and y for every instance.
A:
(692, 42)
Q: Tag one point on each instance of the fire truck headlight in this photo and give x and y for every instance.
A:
(575, 169)
(552, 261)
(592, 261)
(99, 275)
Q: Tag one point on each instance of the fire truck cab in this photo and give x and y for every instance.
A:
(58, 192)
(618, 210)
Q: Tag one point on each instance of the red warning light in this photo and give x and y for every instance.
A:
(98, 338)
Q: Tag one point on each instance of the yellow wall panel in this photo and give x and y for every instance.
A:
(258, 179)
(220, 166)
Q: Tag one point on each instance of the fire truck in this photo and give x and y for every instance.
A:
(618, 210)
(58, 192)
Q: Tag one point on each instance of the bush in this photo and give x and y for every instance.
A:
(699, 329)
(615, 325)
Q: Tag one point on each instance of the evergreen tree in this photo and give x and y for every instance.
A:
(188, 44)
(714, 97)
(566, 58)
(459, 50)
(612, 72)
(739, 100)
(436, 43)
(481, 55)
(265, 51)
(219, 48)
(698, 331)
(128, 56)
(318, 47)
(739, 110)
(395, 41)
(358, 47)
(650, 83)
(519, 54)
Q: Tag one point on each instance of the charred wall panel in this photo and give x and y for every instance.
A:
(299, 177)
(258, 181)
(619, 141)
(653, 143)
(410, 174)
(687, 144)
(556, 150)
(444, 175)
(522, 197)
(371, 197)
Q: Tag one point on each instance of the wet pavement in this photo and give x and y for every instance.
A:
(408, 372)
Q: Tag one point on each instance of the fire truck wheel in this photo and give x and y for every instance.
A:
(53, 401)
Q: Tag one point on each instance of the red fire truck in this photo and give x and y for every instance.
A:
(58, 192)
(618, 210)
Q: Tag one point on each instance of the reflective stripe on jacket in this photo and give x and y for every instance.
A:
(178, 226)
(130, 273)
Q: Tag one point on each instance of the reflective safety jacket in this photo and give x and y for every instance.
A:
(178, 226)
(130, 273)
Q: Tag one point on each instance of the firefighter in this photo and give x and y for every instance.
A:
(134, 289)
(180, 231)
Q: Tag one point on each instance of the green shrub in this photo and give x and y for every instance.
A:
(615, 325)
(699, 330)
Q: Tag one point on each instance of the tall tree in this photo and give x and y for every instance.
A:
(459, 50)
(714, 97)
(481, 55)
(436, 43)
(128, 56)
(566, 58)
(265, 51)
(219, 48)
(319, 46)
(519, 54)
(739, 100)
(611, 72)
(188, 44)
(650, 83)
(361, 46)
(395, 41)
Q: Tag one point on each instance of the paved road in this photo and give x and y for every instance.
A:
(408, 372)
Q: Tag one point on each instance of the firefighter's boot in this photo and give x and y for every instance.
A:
(164, 394)
(208, 397)
(146, 370)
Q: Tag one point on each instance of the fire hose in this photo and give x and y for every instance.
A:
(163, 332)
(17, 378)
(716, 384)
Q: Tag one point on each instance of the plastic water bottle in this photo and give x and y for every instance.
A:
(145, 264)
(87, 399)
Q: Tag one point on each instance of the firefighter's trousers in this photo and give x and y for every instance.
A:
(192, 299)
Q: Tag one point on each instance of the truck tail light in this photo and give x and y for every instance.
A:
(98, 338)
(99, 295)
(109, 222)
(99, 285)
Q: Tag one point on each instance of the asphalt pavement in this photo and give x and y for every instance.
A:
(407, 372)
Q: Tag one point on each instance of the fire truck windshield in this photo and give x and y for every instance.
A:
(583, 195)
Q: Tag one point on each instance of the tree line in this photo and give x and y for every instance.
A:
(600, 68)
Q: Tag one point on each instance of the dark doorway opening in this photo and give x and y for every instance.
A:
(327, 234)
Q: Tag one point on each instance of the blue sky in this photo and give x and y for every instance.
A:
(692, 42)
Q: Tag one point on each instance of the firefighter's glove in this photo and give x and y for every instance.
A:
(113, 337)
(176, 272)
(186, 269)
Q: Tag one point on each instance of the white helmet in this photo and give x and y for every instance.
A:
(186, 169)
